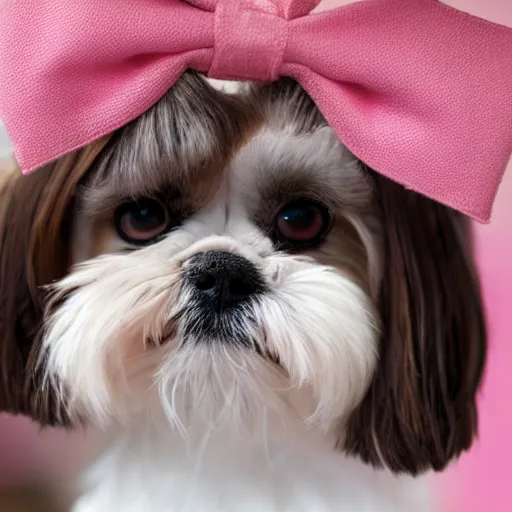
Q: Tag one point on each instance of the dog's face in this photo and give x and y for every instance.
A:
(224, 261)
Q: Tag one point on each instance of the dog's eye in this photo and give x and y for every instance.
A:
(140, 222)
(302, 222)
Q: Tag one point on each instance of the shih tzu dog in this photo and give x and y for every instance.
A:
(264, 323)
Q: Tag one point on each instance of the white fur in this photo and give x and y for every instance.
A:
(146, 471)
(226, 86)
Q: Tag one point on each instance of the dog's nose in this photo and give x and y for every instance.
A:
(223, 279)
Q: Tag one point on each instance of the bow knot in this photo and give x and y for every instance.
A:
(257, 55)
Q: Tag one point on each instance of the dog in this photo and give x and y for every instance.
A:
(262, 322)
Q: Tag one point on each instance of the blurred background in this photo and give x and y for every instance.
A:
(31, 461)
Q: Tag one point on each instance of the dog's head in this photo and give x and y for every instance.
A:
(225, 261)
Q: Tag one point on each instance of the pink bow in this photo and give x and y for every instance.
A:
(417, 90)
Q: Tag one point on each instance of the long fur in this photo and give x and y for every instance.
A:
(354, 370)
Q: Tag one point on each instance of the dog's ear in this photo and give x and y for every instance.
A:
(35, 227)
(420, 411)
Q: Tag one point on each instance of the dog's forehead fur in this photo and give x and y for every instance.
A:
(184, 145)
(192, 133)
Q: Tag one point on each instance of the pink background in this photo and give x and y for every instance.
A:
(481, 481)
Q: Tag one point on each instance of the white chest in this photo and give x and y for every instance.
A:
(231, 478)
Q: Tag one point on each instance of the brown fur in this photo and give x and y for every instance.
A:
(34, 251)
(189, 135)
(284, 104)
(420, 411)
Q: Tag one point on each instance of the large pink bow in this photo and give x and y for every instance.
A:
(417, 90)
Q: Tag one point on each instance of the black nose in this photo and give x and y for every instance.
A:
(222, 280)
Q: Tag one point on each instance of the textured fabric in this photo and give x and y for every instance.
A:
(419, 91)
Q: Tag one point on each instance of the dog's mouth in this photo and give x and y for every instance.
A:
(198, 322)
(236, 327)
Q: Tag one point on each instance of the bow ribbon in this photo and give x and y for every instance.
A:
(417, 90)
